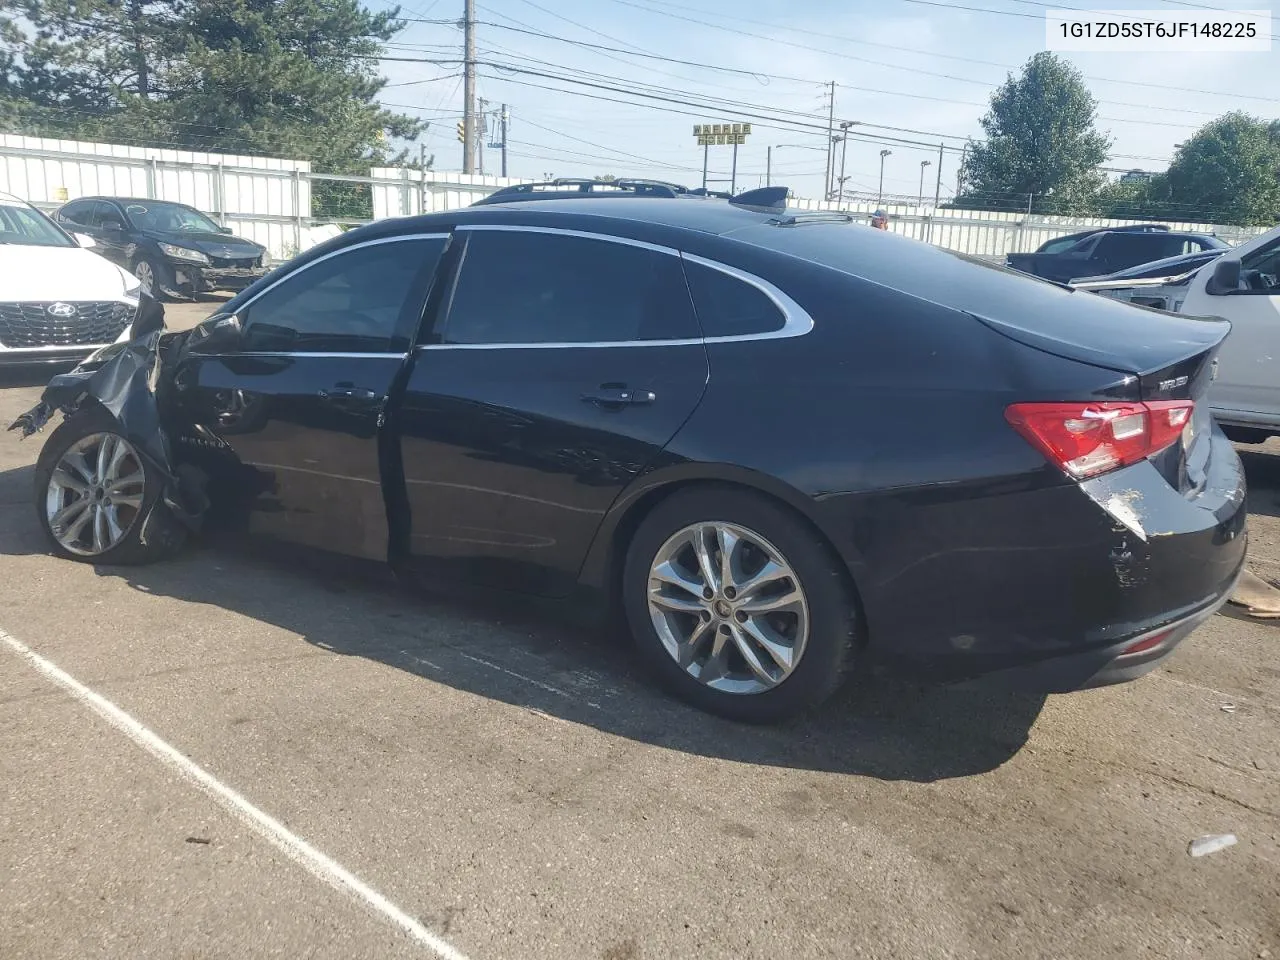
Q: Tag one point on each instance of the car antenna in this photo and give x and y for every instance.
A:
(763, 200)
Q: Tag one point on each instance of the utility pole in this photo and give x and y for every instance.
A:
(920, 196)
(481, 134)
(768, 166)
(469, 88)
(422, 178)
(831, 122)
(844, 151)
(937, 193)
(505, 118)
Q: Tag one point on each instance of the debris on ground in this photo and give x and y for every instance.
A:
(1203, 846)
(1259, 598)
(1228, 708)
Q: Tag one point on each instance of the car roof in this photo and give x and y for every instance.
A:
(703, 214)
(143, 200)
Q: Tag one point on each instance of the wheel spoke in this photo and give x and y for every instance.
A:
(715, 667)
(113, 521)
(127, 500)
(124, 483)
(118, 453)
(676, 604)
(688, 649)
(727, 541)
(749, 654)
(76, 461)
(99, 528)
(770, 574)
(703, 553)
(789, 602)
(68, 514)
(667, 573)
(781, 654)
(65, 478)
(106, 449)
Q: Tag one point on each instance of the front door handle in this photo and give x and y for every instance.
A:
(616, 396)
(348, 393)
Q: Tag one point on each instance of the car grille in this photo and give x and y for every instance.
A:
(239, 263)
(31, 324)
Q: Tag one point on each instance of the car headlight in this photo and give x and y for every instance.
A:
(183, 253)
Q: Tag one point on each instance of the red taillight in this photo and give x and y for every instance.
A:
(1086, 439)
(1147, 643)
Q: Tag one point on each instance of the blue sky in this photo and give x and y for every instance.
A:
(915, 66)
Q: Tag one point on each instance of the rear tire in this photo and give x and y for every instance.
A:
(101, 496)
(1246, 434)
(782, 590)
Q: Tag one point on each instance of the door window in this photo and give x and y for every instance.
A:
(1260, 270)
(353, 302)
(1122, 250)
(80, 213)
(525, 287)
(105, 213)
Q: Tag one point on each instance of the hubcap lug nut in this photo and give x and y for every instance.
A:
(724, 628)
(741, 617)
(708, 593)
(706, 616)
(730, 592)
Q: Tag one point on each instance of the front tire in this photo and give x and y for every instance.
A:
(156, 278)
(738, 606)
(97, 499)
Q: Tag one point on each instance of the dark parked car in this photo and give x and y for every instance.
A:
(776, 439)
(1101, 252)
(174, 249)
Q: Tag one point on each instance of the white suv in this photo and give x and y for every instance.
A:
(58, 301)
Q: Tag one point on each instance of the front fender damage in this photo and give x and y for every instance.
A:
(131, 381)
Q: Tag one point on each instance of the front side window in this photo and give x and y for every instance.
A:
(349, 303)
(23, 226)
(1260, 270)
(526, 287)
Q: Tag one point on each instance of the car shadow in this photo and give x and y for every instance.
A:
(1262, 472)
(528, 656)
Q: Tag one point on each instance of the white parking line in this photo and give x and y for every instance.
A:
(294, 847)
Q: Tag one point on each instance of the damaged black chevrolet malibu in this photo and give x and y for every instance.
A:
(778, 441)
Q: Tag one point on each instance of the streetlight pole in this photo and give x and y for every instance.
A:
(880, 194)
(844, 151)
(920, 199)
(768, 166)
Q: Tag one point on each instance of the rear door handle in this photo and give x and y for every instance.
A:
(616, 396)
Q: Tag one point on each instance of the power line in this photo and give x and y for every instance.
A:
(832, 53)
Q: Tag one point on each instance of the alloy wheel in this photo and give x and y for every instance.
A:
(142, 270)
(728, 607)
(95, 494)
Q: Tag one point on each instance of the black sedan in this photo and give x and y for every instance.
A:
(174, 249)
(778, 440)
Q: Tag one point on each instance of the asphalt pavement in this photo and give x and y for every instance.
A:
(239, 754)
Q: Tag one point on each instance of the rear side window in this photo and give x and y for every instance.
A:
(79, 212)
(350, 303)
(527, 286)
(729, 307)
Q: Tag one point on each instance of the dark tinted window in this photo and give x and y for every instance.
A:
(105, 213)
(729, 307)
(1131, 249)
(80, 212)
(528, 287)
(349, 303)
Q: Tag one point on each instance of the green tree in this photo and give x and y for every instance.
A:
(1041, 143)
(293, 78)
(1229, 172)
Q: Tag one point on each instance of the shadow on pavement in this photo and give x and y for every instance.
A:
(519, 653)
(1262, 472)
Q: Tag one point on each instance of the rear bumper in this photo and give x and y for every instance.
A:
(1108, 665)
(1050, 586)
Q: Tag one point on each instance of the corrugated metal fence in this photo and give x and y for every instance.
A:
(271, 199)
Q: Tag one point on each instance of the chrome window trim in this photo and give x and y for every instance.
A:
(796, 320)
(326, 354)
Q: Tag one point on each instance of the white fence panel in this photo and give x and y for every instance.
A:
(266, 199)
